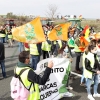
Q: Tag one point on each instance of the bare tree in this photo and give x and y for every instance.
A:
(52, 11)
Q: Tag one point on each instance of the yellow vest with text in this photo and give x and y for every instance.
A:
(90, 57)
(34, 49)
(34, 90)
(46, 46)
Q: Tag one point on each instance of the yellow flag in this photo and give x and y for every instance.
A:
(60, 32)
(31, 32)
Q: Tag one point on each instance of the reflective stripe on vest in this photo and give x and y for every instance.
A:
(34, 90)
(46, 46)
(2, 35)
(90, 57)
(33, 49)
(10, 36)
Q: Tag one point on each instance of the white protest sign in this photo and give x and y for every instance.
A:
(54, 88)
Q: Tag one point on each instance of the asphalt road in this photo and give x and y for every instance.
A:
(10, 62)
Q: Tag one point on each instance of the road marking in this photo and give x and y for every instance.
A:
(76, 74)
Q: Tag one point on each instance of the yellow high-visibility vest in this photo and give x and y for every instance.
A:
(76, 48)
(90, 57)
(2, 35)
(10, 36)
(60, 43)
(34, 90)
(46, 46)
(34, 49)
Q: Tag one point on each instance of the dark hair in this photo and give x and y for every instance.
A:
(23, 56)
(93, 42)
(89, 48)
(98, 41)
(61, 49)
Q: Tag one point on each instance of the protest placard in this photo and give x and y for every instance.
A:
(55, 87)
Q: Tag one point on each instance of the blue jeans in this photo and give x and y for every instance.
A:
(83, 79)
(89, 83)
(6, 38)
(2, 62)
(2, 40)
(21, 47)
(35, 60)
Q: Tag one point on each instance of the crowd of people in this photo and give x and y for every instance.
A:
(90, 58)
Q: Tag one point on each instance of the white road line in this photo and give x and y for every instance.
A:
(76, 74)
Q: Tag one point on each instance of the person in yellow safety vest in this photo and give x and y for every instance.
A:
(91, 71)
(92, 42)
(29, 76)
(2, 34)
(46, 48)
(6, 37)
(71, 44)
(35, 51)
(10, 38)
(78, 55)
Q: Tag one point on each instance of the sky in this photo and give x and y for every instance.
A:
(86, 8)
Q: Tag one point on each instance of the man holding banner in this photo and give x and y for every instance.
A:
(29, 76)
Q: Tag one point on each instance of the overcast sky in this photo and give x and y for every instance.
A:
(86, 8)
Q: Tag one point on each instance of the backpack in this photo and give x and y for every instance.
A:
(18, 89)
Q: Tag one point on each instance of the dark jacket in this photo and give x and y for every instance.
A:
(2, 51)
(96, 65)
(39, 48)
(33, 77)
(2, 32)
(54, 48)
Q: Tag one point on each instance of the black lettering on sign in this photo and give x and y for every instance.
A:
(61, 69)
(48, 86)
(55, 84)
(56, 70)
(48, 94)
